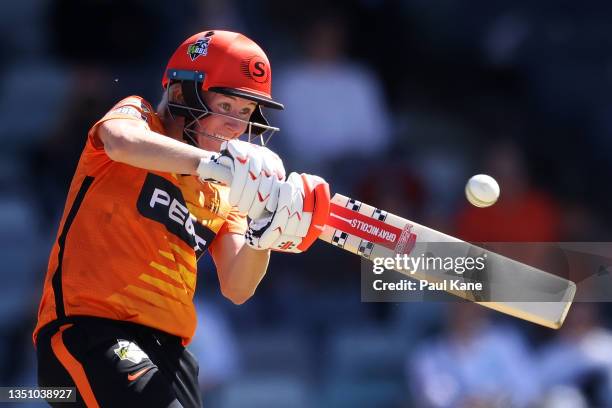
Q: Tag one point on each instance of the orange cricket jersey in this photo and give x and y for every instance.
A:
(128, 241)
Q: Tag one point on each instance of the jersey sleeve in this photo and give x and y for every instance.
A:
(132, 108)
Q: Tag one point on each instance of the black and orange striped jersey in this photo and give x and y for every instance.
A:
(128, 240)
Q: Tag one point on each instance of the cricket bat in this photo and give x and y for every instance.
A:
(513, 288)
(521, 290)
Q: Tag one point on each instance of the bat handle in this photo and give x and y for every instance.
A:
(210, 170)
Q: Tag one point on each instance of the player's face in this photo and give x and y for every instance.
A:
(224, 125)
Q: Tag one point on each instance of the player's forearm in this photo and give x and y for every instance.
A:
(244, 274)
(140, 147)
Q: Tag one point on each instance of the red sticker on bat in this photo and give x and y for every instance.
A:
(406, 241)
(373, 230)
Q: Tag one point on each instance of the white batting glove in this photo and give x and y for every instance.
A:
(299, 218)
(256, 175)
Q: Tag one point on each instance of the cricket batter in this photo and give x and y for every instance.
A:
(116, 311)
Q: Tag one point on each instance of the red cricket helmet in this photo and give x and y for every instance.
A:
(223, 62)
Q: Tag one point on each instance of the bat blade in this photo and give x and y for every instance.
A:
(513, 288)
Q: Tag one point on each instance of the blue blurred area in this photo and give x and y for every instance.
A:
(396, 103)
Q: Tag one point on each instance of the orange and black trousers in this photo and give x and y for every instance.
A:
(117, 364)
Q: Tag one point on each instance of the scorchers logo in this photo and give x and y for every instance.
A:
(162, 201)
(255, 68)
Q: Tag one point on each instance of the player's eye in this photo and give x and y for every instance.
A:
(225, 107)
(246, 112)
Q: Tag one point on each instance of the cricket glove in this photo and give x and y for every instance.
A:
(256, 175)
(299, 218)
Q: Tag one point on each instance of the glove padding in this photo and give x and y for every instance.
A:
(300, 216)
(256, 172)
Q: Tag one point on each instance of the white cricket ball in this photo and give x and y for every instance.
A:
(482, 190)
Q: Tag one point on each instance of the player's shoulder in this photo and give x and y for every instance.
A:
(135, 102)
(133, 107)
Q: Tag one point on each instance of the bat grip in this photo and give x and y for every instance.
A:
(210, 170)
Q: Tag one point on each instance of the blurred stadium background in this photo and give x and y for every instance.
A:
(396, 103)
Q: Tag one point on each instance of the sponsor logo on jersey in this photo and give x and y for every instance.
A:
(162, 201)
